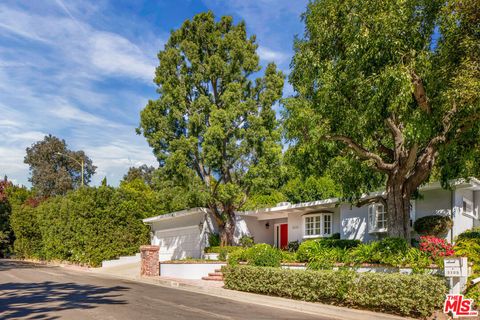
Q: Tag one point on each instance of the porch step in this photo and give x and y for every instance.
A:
(213, 278)
(215, 274)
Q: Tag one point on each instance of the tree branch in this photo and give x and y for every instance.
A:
(363, 153)
(375, 199)
(419, 93)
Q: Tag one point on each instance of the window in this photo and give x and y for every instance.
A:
(377, 218)
(468, 207)
(318, 225)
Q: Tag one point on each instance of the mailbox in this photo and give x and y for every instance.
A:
(455, 267)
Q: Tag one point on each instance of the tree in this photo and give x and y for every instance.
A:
(54, 168)
(6, 234)
(143, 172)
(213, 125)
(394, 86)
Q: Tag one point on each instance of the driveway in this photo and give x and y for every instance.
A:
(30, 291)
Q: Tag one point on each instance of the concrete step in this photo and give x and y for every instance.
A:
(218, 270)
(215, 274)
(213, 278)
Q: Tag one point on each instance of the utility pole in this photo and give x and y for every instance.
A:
(81, 163)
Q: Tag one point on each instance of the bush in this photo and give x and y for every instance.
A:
(247, 241)
(293, 246)
(86, 226)
(435, 247)
(213, 240)
(288, 256)
(470, 248)
(237, 256)
(263, 255)
(408, 295)
(433, 225)
(469, 234)
(310, 248)
(326, 258)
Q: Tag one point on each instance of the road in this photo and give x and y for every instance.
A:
(30, 291)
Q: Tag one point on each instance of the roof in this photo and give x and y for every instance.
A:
(176, 214)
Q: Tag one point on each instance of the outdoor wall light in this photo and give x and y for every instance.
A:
(267, 225)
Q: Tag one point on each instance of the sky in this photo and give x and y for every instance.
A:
(82, 71)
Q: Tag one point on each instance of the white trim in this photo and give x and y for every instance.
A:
(322, 225)
(372, 218)
(176, 214)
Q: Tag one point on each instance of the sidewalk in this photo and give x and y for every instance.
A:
(215, 288)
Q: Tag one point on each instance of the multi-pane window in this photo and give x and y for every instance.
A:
(377, 218)
(468, 207)
(318, 225)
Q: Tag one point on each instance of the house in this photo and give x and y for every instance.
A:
(185, 233)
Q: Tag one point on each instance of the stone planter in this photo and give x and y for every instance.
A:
(211, 256)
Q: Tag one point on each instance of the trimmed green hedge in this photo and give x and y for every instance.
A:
(219, 249)
(407, 295)
(85, 226)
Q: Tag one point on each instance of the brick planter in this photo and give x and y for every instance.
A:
(149, 264)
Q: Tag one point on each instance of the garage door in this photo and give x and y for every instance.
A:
(179, 243)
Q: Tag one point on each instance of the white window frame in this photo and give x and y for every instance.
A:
(373, 215)
(468, 203)
(322, 232)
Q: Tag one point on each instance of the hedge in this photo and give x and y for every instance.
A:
(86, 226)
(407, 295)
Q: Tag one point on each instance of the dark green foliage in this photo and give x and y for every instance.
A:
(470, 234)
(433, 225)
(293, 246)
(407, 295)
(144, 173)
(85, 226)
(263, 255)
(312, 188)
(213, 240)
(468, 245)
(219, 249)
(213, 124)
(55, 169)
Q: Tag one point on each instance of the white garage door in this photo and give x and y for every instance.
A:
(179, 243)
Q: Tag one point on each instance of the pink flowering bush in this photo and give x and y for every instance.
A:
(436, 247)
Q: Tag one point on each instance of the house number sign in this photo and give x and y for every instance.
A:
(455, 267)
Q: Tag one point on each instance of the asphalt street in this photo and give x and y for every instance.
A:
(31, 291)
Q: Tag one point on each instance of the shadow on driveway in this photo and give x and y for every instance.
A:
(37, 300)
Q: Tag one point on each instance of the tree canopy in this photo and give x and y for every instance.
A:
(388, 89)
(54, 168)
(213, 125)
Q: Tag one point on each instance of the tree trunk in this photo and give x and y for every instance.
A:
(398, 208)
(227, 229)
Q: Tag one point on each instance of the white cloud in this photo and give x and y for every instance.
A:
(270, 55)
(115, 54)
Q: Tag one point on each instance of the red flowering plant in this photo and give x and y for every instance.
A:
(436, 248)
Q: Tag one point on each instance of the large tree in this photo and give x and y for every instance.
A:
(393, 88)
(213, 124)
(55, 169)
(143, 172)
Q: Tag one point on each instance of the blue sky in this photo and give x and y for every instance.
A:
(82, 70)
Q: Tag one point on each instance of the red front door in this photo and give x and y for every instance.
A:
(284, 236)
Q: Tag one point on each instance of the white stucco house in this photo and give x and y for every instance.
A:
(185, 233)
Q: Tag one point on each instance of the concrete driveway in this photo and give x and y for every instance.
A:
(30, 291)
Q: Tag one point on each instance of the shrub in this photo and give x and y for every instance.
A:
(236, 256)
(470, 234)
(473, 290)
(247, 241)
(213, 240)
(470, 248)
(326, 258)
(86, 226)
(310, 248)
(436, 247)
(263, 255)
(293, 246)
(336, 235)
(434, 225)
(408, 295)
(288, 256)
